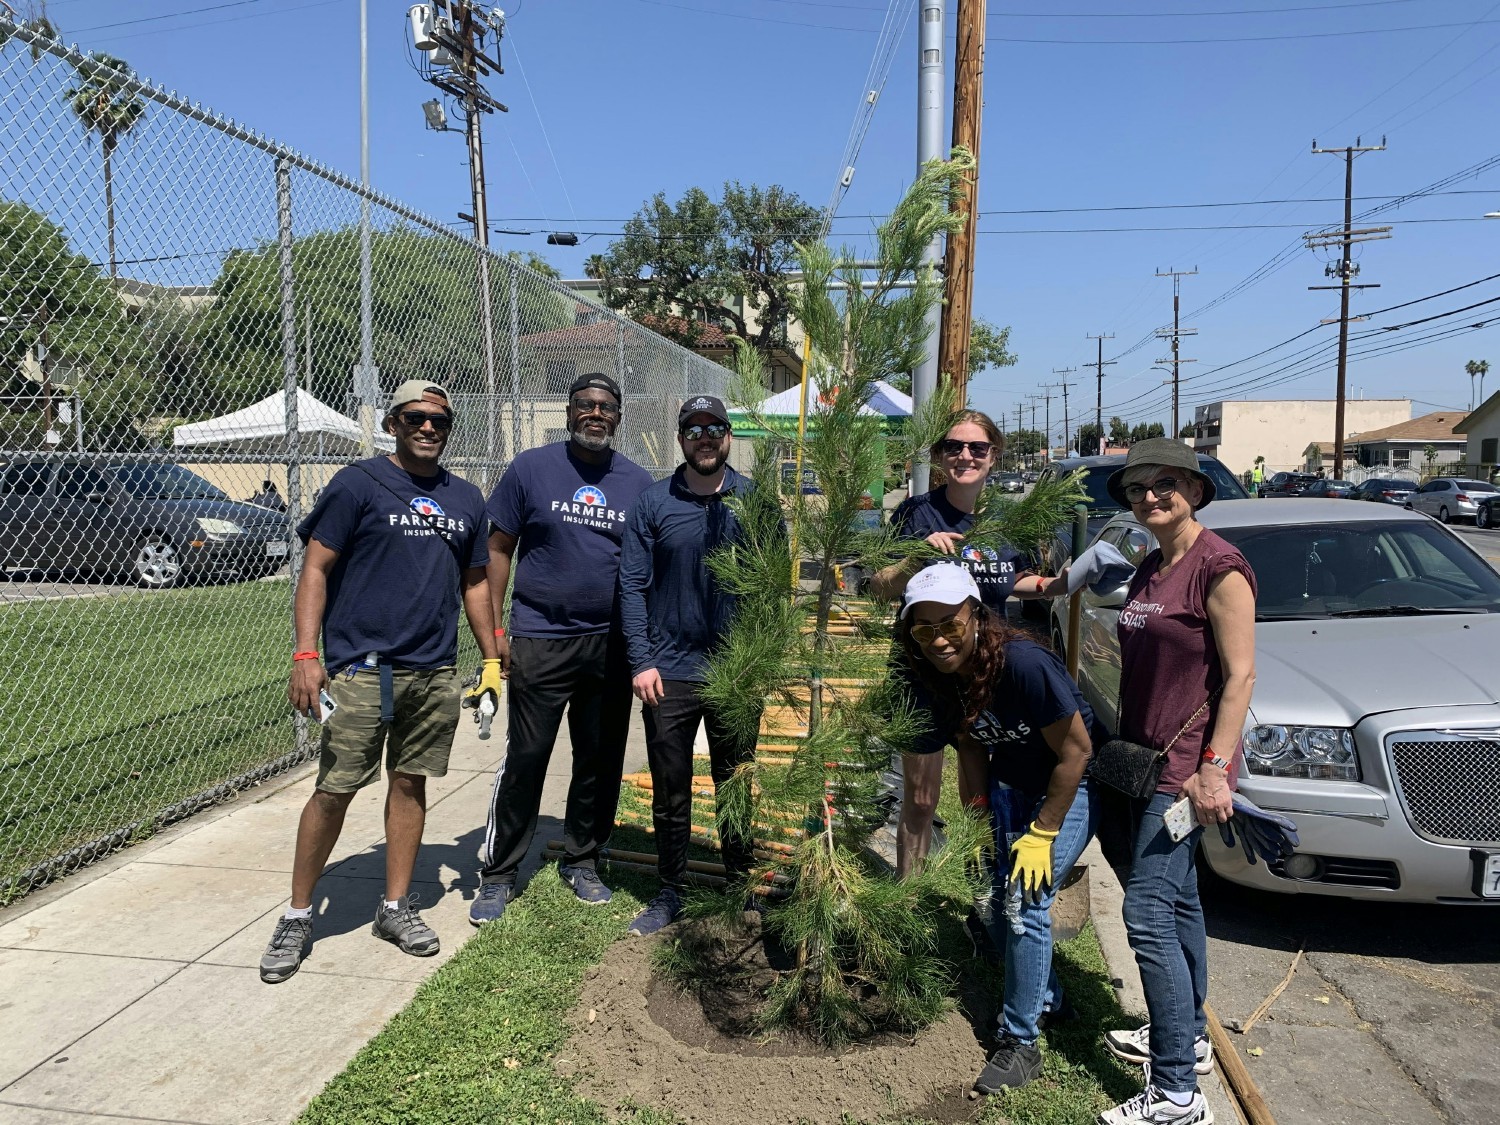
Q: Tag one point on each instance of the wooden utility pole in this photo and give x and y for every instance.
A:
(968, 104)
(1345, 270)
(1063, 386)
(1046, 397)
(1099, 365)
(1177, 332)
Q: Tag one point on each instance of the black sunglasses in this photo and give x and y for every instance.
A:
(952, 448)
(589, 406)
(715, 430)
(416, 419)
(1161, 489)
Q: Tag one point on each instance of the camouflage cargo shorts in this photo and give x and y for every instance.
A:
(417, 742)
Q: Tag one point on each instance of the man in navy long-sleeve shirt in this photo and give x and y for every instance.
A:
(673, 611)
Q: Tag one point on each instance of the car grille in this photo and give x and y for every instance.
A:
(1449, 784)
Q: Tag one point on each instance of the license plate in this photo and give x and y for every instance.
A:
(275, 549)
(1486, 873)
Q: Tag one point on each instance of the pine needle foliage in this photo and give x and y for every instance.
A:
(809, 661)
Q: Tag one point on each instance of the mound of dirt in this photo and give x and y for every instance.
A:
(640, 1038)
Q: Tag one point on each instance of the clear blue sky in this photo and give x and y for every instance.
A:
(639, 96)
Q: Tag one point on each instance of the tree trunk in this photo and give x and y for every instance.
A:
(109, 202)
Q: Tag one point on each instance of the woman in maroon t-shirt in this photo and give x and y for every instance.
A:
(1187, 655)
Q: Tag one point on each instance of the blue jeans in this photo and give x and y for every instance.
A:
(1165, 922)
(1031, 984)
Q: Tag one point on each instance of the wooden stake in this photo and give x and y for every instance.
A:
(1236, 1074)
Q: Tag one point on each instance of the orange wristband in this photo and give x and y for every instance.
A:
(499, 632)
(311, 655)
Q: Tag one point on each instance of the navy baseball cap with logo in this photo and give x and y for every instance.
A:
(702, 404)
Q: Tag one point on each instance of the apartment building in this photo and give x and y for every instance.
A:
(1280, 430)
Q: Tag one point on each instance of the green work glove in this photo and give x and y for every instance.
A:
(489, 680)
(1031, 862)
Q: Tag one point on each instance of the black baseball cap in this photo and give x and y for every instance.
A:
(702, 404)
(596, 379)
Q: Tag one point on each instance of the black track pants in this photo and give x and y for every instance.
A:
(591, 678)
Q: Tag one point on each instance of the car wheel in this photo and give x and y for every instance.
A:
(1482, 517)
(156, 564)
(1443, 514)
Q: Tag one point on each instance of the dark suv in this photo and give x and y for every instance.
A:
(1288, 484)
(156, 522)
(1101, 505)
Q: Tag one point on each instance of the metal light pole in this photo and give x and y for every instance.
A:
(929, 147)
(366, 388)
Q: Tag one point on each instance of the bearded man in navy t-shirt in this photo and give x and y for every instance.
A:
(391, 544)
(558, 516)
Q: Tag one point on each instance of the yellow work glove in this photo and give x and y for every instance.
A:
(489, 680)
(1031, 862)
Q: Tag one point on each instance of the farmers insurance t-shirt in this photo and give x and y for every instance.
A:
(1034, 691)
(569, 517)
(395, 588)
(995, 571)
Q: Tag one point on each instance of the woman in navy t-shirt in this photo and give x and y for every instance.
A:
(1025, 737)
(942, 518)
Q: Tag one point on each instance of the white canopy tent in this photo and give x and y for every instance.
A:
(261, 428)
(885, 402)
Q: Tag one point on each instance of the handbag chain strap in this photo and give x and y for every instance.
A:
(1191, 719)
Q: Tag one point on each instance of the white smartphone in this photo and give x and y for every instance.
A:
(326, 705)
(1180, 820)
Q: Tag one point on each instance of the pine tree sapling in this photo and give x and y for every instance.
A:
(861, 944)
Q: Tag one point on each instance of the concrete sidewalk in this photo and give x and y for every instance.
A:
(131, 991)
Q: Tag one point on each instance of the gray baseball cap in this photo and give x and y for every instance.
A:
(412, 391)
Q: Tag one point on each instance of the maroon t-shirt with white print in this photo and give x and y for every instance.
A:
(1169, 663)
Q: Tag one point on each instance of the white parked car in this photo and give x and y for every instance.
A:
(1375, 722)
(1449, 498)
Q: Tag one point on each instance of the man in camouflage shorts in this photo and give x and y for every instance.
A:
(391, 544)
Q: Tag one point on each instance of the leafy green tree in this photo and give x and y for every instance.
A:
(106, 103)
(989, 347)
(1119, 431)
(702, 261)
(1143, 430)
(1023, 444)
(1086, 439)
(50, 294)
(851, 928)
(33, 17)
(1188, 430)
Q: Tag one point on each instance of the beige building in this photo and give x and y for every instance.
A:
(1281, 430)
(1482, 431)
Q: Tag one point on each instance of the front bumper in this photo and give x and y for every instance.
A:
(1362, 832)
(240, 554)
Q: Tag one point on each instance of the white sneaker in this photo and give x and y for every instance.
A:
(1152, 1107)
(1135, 1047)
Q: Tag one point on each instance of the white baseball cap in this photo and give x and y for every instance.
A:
(944, 583)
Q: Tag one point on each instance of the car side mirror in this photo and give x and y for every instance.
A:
(99, 498)
(1113, 599)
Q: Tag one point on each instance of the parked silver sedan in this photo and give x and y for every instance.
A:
(1449, 498)
(1375, 723)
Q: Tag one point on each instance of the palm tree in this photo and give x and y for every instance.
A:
(1476, 367)
(106, 103)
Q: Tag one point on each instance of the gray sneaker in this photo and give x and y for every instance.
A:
(405, 927)
(283, 956)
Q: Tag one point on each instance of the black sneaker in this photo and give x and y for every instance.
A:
(662, 911)
(1013, 1065)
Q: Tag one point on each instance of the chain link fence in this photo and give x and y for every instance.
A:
(197, 326)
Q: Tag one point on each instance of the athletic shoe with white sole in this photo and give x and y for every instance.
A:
(586, 884)
(489, 904)
(283, 956)
(1135, 1047)
(1152, 1107)
(404, 927)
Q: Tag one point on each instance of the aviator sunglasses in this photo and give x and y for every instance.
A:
(980, 449)
(951, 629)
(416, 419)
(1161, 489)
(715, 430)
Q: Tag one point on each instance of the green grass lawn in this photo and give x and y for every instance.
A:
(478, 1040)
(123, 705)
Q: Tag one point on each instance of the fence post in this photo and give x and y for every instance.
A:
(620, 355)
(289, 386)
(515, 359)
(487, 326)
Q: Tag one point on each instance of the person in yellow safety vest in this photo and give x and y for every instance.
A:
(1257, 476)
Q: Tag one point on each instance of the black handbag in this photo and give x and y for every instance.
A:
(1134, 769)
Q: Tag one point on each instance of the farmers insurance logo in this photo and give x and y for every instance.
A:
(985, 563)
(428, 518)
(426, 506)
(590, 507)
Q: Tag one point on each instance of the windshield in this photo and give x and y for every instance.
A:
(1397, 568)
(165, 482)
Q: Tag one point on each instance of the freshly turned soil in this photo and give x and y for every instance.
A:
(659, 1045)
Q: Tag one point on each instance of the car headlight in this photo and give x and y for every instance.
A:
(219, 529)
(1311, 752)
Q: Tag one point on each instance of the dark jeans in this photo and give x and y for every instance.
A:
(591, 678)
(670, 729)
(1165, 922)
